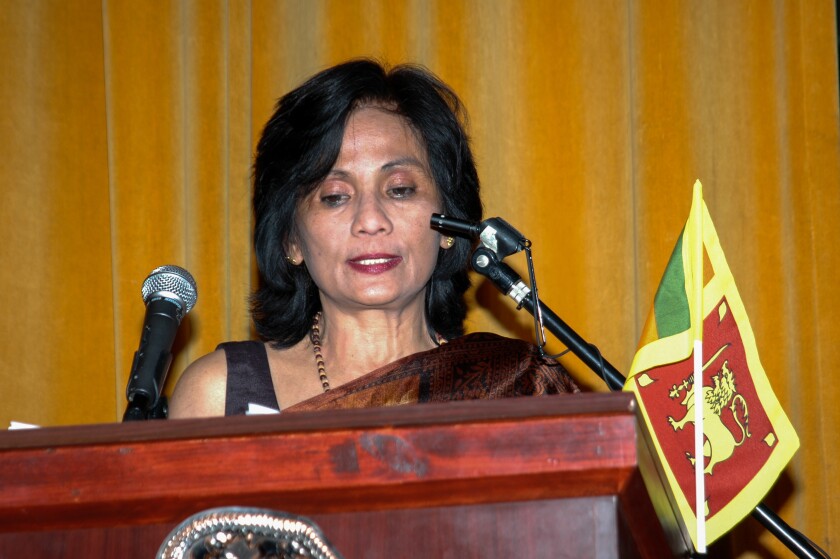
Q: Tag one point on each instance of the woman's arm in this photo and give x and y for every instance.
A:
(201, 390)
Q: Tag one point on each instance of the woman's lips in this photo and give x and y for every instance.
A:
(374, 263)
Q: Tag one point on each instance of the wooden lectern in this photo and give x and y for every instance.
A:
(555, 476)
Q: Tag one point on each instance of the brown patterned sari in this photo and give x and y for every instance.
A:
(475, 366)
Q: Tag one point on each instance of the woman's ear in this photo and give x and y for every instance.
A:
(446, 242)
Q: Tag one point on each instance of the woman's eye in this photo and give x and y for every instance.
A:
(401, 192)
(333, 200)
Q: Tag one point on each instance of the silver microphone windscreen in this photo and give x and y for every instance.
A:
(171, 282)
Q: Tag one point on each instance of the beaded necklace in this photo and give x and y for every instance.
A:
(315, 338)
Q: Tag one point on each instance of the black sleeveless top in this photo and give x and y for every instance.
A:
(248, 377)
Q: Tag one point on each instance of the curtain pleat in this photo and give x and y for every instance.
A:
(128, 128)
(57, 335)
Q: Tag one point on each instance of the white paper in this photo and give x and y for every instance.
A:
(18, 425)
(256, 409)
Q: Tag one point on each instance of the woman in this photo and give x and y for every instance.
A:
(358, 291)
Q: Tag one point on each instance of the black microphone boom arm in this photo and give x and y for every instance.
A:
(507, 281)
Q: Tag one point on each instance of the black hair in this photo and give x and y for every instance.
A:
(298, 148)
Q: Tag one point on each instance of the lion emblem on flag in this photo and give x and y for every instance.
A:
(719, 441)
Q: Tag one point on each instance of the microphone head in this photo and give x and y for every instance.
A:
(172, 282)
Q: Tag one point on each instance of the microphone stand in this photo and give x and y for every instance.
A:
(138, 409)
(506, 280)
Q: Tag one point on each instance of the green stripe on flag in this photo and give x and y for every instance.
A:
(671, 302)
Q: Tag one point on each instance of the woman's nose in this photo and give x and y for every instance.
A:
(371, 216)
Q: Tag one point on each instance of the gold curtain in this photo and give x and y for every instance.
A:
(127, 130)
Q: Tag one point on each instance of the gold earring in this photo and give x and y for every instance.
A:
(291, 261)
(450, 241)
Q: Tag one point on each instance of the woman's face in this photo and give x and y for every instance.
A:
(364, 232)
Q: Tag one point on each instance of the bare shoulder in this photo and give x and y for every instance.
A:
(201, 390)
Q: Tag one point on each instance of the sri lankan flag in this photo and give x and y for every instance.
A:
(720, 433)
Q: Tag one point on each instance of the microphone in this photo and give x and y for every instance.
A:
(455, 226)
(169, 294)
(495, 233)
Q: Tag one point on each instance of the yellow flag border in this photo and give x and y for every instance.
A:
(720, 286)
